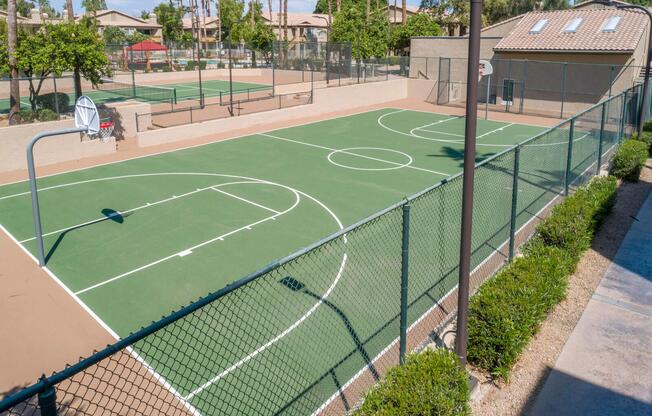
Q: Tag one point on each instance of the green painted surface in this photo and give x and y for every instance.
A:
(184, 91)
(220, 211)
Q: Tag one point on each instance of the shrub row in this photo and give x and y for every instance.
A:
(430, 383)
(630, 159)
(507, 310)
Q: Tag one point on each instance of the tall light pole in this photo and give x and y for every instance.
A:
(644, 101)
(473, 71)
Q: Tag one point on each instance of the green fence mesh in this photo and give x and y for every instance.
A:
(312, 332)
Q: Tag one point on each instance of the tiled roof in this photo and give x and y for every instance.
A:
(588, 37)
(301, 19)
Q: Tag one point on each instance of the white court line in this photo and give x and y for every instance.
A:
(353, 154)
(183, 252)
(425, 314)
(435, 131)
(495, 130)
(107, 328)
(194, 146)
(247, 201)
(129, 211)
(273, 340)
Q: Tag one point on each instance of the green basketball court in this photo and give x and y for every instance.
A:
(136, 239)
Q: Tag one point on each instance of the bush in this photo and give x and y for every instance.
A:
(647, 126)
(26, 115)
(51, 100)
(629, 160)
(645, 137)
(190, 66)
(45, 114)
(430, 383)
(571, 225)
(507, 310)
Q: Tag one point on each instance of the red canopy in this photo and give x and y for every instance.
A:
(147, 46)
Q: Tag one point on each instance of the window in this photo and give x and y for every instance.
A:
(611, 24)
(538, 26)
(572, 26)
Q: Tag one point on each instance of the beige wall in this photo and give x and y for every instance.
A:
(324, 101)
(424, 53)
(49, 150)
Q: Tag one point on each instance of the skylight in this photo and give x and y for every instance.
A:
(538, 26)
(611, 24)
(572, 26)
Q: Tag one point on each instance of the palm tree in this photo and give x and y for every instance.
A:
(369, 8)
(280, 16)
(269, 3)
(285, 20)
(12, 42)
(339, 5)
(404, 12)
(219, 22)
(69, 11)
(330, 13)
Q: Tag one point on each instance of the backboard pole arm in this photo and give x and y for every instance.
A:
(32, 184)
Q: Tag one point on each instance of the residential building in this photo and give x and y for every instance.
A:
(129, 24)
(555, 61)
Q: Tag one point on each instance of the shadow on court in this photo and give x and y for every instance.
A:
(109, 215)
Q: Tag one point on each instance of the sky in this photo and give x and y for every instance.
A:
(133, 7)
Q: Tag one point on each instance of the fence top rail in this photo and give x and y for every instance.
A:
(238, 101)
(46, 382)
(531, 61)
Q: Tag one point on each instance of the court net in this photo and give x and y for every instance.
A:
(143, 92)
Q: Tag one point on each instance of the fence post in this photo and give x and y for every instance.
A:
(133, 82)
(137, 127)
(602, 117)
(569, 157)
(512, 224)
(56, 97)
(191, 114)
(563, 90)
(623, 117)
(404, 282)
(47, 401)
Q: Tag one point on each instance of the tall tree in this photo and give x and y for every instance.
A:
(269, 4)
(368, 38)
(12, 44)
(70, 14)
(280, 16)
(285, 20)
(404, 12)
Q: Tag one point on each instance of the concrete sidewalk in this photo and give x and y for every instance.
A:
(605, 367)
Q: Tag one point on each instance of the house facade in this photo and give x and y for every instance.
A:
(545, 62)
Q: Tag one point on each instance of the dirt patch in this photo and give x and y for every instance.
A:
(530, 372)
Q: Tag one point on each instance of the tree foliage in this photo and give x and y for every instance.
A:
(170, 18)
(422, 24)
(93, 6)
(113, 35)
(4, 53)
(23, 7)
(62, 47)
(231, 11)
(369, 38)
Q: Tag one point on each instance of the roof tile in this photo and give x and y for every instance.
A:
(588, 37)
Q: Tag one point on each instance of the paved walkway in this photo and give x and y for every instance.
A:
(605, 367)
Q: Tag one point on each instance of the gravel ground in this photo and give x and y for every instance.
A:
(539, 357)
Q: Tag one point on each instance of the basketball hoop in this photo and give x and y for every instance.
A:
(105, 131)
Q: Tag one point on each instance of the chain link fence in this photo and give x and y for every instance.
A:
(551, 89)
(312, 332)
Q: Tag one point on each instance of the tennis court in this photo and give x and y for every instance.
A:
(113, 91)
(136, 239)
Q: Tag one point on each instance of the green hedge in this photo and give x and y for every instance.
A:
(507, 310)
(629, 160)
(430, 383)
(645, 137)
